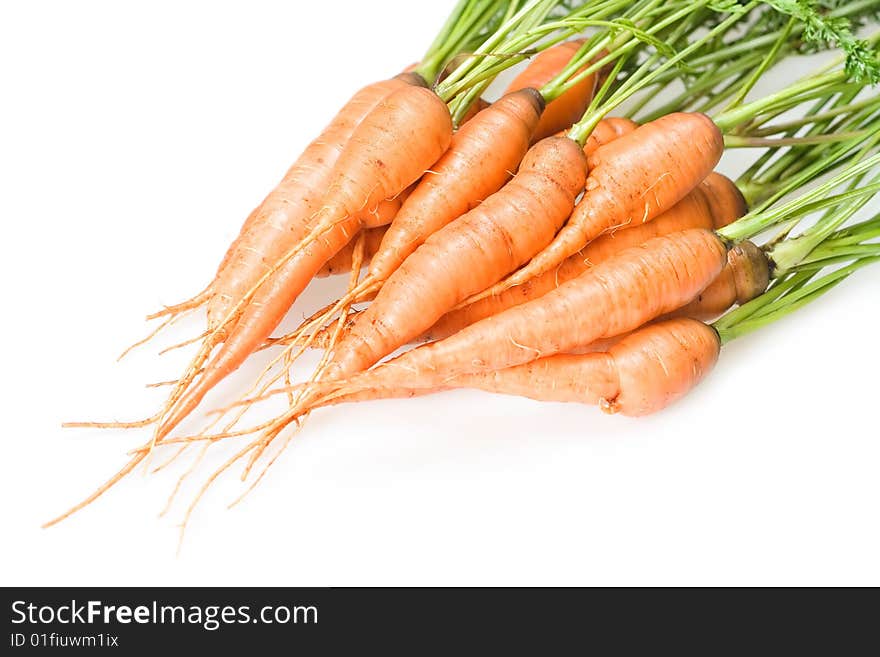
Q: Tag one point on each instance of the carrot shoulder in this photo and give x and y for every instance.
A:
(606, 131)
(612, 298)
(744, 277)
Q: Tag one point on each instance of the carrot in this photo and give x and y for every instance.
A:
(726, 201)
(483, 152)
(478, 163)
(639, 374)
(281, 220)
(491, 137)
(617, 296)
(476, 107)
(614, 297)
(341, 262)
(632, 179)
(565, 110)
(390, 149)
(715, 203)
(694, 211)
(606, 131)
(470, 253)
(395, 249)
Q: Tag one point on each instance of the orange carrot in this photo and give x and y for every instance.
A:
(390, 149)
(282, 219)
(408, 234)
(565, 110)
(479, 161)
(484, 152)
(632, 179)
(639, 374)
(715, 203)
(476, 107)
(612, 298)
(693, 211)
(468, 254)
(726, 201)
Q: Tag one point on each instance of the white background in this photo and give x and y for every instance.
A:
(135, 139)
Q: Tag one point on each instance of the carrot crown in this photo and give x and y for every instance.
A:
(787, 295)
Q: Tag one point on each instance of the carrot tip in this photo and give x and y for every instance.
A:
(611, 407)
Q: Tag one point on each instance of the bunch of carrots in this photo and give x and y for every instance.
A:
(539, 245)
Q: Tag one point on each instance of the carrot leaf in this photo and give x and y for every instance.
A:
(821, 29)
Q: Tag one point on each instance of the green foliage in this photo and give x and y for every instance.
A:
(723, 5)
(822, 30)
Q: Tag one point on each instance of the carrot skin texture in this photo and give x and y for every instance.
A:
(281, 220)
(661, 363)
(725, 200)
(478, 106)
(467, 255)
(652, 153)
(481, 158)
(568, 108)
(693, 211)
(715, 203)
(632, 179)
(606, 131)
(425, 215)
(559, 378)
(410, 234)
(383, 214)
(484, 153)
(745, 276)
(614, 297)
(421, 219)
(389, 150)
(642, 373)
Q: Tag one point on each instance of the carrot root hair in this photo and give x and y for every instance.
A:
(189, 304)
(128, 467)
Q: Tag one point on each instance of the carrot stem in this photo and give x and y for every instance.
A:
(581, 130)
(783, 300)
(438, 50)
(757, 221)
(816, 118)
(459, 80)
(484, 65)
(735, 141)
(788, 254)
(769, 59)
(730, 119)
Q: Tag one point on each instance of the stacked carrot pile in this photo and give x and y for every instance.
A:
(537, 244)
